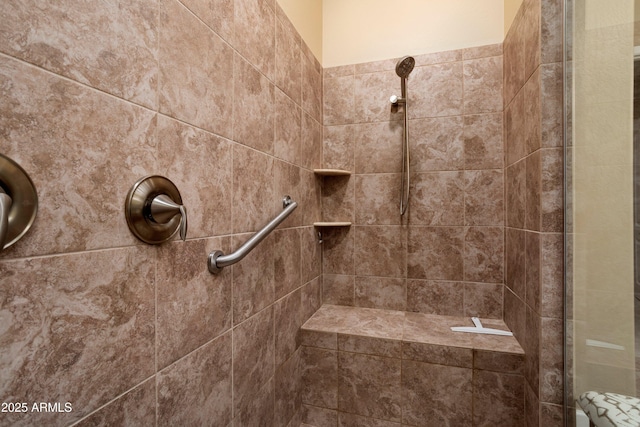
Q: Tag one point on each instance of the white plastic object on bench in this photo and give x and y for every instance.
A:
(479, 329)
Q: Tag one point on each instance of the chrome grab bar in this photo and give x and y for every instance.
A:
(217, 260)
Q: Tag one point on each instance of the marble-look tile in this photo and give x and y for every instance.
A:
(319, 417)
(515, 260)
(288, 180)
(531, 35)
(551, 197)
(483, 300)
(435, 253)
(498, 399)
(357, 321)
(532, 113)
(436, 90)
(310, 254)
(339, 199)
(311, 146)
(380, 250)
(288, 387)
(313, 338)
(81, 186)
(311, 298)
(551, 361)
(339, 100)
(312, 97)
(196, 71)
(440, 394)
(253, 194)
(375, 66)
(506, 363)
(288, 129)
(439, 57)
(320, 377)
(253, 107)
(207, 196)
(551, 415)
(438, 354)
(483, 145)
(436, 144)
(532, 271)
(61, 320)
(482, 51)
(136, 407)
(253, 278)
(514, 58)
(338, 147)
(372, 346)
(193, 306)
(196, 390)
(483, 85)
(551, 23)
(515, 314)
(437, 198)
(514, 130)
(288, 68)
(287, 261)
(552, 102)
(113, 48)
(340, 71)
(532, 342)
(552, 275)
(338, 289)
(372, 92)
(254, 26)
(338, 250)
(311, 197)
(484, 254)
(217, 14)
(369, 385)
(377, 200)
(531, 408)
(253, 361)
(435, 297)
(352, 420)
(380, 292)
(287, 314)
(533, 182)
(259, 411)
(516, 192)
(436, 329)
(378, 148)
(484, 197)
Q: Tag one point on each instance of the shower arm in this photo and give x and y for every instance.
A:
(217, 260)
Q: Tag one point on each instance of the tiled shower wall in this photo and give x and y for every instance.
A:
(446, 255)
(479, 215)
(533, 129)
(226, 101)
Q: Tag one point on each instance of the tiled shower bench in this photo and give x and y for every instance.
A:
(371, 367)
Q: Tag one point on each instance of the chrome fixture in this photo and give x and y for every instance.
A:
(403, 69)
(18, 202)
(154, 210)
(218, 260)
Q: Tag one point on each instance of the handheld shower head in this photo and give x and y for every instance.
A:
(405, 66)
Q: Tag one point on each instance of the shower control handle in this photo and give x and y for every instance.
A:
(5, 208)
(163, 209)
